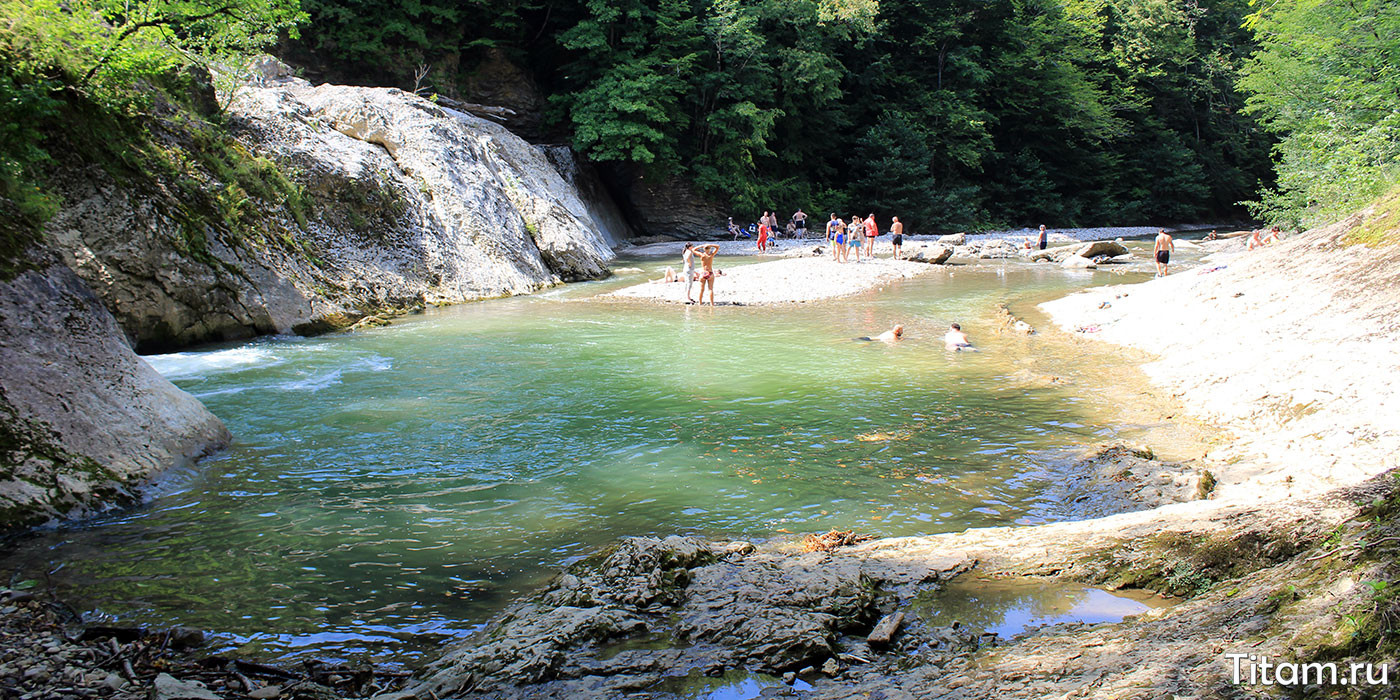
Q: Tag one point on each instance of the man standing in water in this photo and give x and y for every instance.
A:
(897, 235)
(956, 339)
(1044, 239)
(707, 273)
(1162, 251)
(800, 220)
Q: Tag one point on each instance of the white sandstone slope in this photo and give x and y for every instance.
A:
(1292, 347)
(402, 203)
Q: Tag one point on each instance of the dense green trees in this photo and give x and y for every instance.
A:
(1327, 80)
(956, 113)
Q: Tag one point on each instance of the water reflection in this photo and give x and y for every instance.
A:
(1011, 606)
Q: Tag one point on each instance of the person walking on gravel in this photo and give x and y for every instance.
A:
(897, 235)
(871, 231)
(1162, 251)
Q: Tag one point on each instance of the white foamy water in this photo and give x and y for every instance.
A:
(185, 365)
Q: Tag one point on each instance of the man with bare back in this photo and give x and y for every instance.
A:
(1162, 251)
(897, 231)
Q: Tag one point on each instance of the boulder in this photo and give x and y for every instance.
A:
(997, 249)
(1056, 254)
(932, 254)
(953, 239)
(1078, 262)
(1097, 248)
(85, 419)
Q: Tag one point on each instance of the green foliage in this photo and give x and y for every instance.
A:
(1327, 80)
(951, 114)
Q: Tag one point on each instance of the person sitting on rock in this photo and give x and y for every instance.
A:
(956, 339)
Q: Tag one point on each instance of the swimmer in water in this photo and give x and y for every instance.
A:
(956, 339)
(889, 336)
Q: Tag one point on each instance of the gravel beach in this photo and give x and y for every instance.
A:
(783, 281)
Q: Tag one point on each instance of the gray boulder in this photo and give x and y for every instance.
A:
(85, 419)
(954, 239)
(1098, 248)
(1078, 262)
(936, 254)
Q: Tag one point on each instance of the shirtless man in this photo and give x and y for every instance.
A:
(800, 220)
(1162, 251)
(897, 233)
(688, 257)
(707, 273)
(956, 339)
(892, 334)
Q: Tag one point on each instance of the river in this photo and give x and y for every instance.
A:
(391, 489)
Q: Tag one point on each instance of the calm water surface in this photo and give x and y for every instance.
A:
(396, 487)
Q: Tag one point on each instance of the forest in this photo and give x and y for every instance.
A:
(956, 115)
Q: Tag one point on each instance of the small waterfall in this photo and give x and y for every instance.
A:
(606, 217)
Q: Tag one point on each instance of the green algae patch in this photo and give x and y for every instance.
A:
(1381, 224)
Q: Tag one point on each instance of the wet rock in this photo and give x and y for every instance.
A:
(886, 629)
(186, 637)
(832, 668)
(1078, 262)
(266, 692)
(168, 687)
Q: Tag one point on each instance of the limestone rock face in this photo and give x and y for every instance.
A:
(403, 203)
(83, 420)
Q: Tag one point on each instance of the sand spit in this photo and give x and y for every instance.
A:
(783, 281)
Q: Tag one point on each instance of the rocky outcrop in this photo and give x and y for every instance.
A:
(83, 420)
(693, 604)
(390, 202)
(667, 207)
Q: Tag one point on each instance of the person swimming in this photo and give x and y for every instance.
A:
(956, 339)
(889, 336)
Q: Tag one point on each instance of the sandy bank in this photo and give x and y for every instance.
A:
(1290, 347)
(783, 281)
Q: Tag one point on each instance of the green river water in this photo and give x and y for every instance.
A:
(390, 489)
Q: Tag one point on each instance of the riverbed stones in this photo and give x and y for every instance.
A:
(885, 630)
(1078, 262)
(953, 239)
(168, 687)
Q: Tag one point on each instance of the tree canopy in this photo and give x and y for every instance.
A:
(954, 113)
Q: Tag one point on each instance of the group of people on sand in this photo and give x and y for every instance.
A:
(767, 228)
(859, 236)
